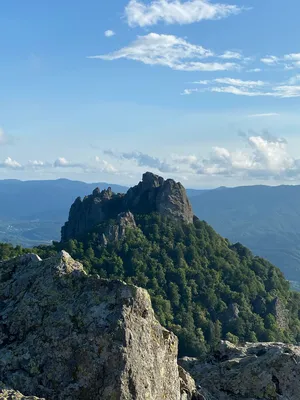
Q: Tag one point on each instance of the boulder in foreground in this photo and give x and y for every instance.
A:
(68, 336)
(268, 371)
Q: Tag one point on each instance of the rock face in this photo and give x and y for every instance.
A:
(268, 371)
(165, 197)
(117, 231)
(92, 210)
(65, 335)
(281, 313)
(152, 194)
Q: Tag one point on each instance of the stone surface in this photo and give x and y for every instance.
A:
(117, 231)
(268, 371)
(165, 197)
(9, 394)
(92, 210)
(281, 313)
(152, 194)
(65, 335)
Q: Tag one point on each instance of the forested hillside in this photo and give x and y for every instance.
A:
(202, 288)
(265, 219)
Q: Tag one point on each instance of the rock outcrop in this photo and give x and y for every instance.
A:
(117, 231)
(91, 211)
(152, 194)
(268, 371)
(8, 394)
(65, 335)
(165, 197)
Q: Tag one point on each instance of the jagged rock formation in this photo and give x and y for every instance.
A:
(92, 210)
(155, 194)
(152, 194)
(115, 232)
(268, 371)
(65, 335)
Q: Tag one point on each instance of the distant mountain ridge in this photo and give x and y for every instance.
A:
(32, 212)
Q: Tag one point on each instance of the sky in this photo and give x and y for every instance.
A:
(205, 92)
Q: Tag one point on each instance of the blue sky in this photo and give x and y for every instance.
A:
(204, 92)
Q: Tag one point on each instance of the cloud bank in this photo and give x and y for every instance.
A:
(140, 14)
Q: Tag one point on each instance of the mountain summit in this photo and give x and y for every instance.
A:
(152, 194)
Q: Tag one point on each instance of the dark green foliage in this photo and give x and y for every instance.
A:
(8, 251)
(202, 288)
(196, 279)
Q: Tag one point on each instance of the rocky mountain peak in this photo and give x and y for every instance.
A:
(166, 197)
(150, 181)
(152, 194)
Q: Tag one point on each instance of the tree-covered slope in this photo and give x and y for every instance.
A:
(265, 219)
(202, 287)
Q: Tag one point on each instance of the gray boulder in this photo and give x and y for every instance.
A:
(268, 371)
(65, 335)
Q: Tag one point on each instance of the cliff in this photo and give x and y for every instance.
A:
(152, 194)
(65, 335)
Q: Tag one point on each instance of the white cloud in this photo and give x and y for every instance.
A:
(98, 165)
(143, 160)
(240, 87)
(36, 163)
(239, 82)
(61, 162)
(231, 55)
(176, 12)
(236, 90)
(109, 33)
(9, 163)
(292, 57)
(227, 81)
(169, 51)
(266, 157)
(263, 115)
(187, 92)
(286, 91)
(287, 62)
(105, 166)
(282, 92)
(270, 60)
